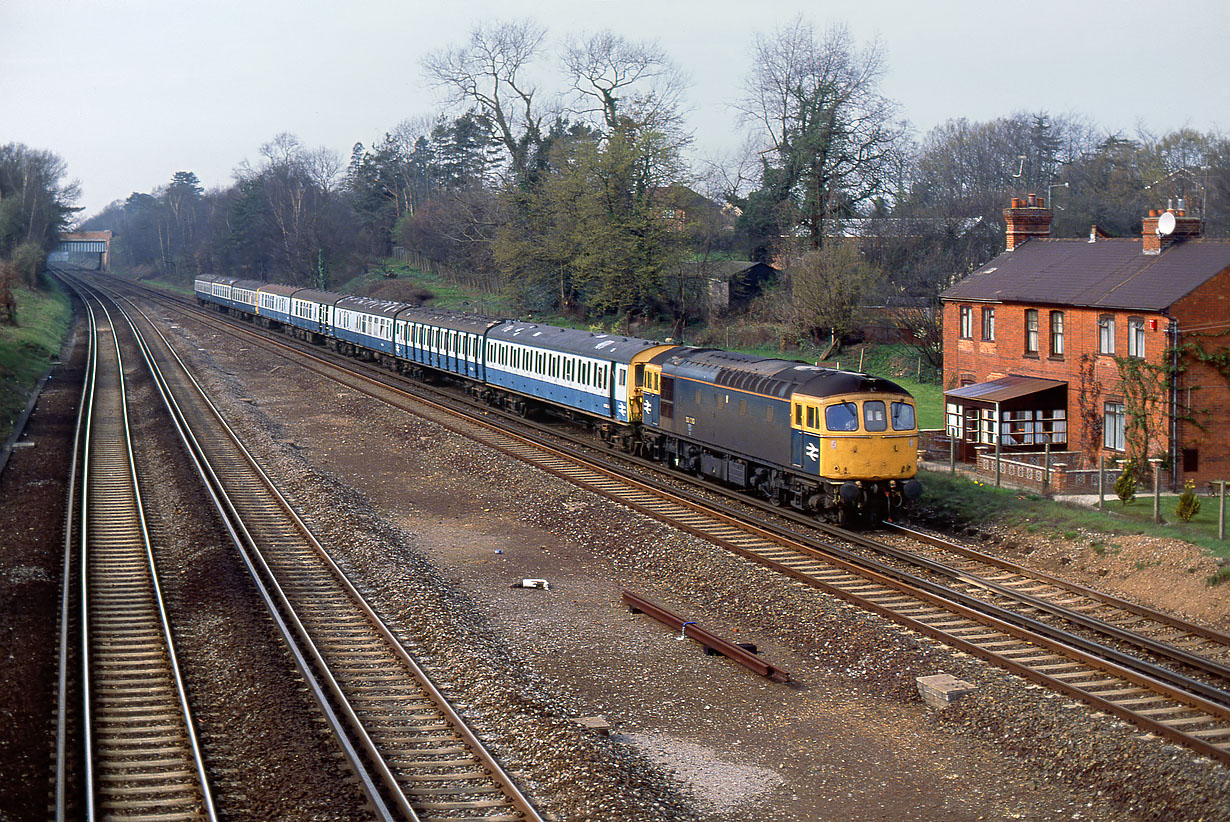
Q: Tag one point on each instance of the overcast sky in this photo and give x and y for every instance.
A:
(130, 91)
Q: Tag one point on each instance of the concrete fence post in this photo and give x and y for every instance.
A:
(1157, 488)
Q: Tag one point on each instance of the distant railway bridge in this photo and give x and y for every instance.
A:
(84, 249)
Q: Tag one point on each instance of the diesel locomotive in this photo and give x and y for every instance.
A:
(835, 443)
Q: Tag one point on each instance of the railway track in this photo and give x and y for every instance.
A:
(1143, 676)
(411, 750)
(140, 755)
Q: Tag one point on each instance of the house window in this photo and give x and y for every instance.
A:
(1112, 426)
(1106, 334)
(988, 324)
(1031, 331)
(967, 322)
(1056, 333)
(1136, 337)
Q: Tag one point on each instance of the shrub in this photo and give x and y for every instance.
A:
(1189, 504)
(1125, 486)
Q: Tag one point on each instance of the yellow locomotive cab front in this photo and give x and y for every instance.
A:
(861, 436)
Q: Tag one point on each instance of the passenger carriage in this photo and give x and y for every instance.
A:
(216, 290)
(242, 298)
(567, 368)
(448, 341)
(365, 324)
(273, 304)
(311, 314)
(203, 287)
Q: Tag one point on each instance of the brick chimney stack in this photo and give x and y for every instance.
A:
(1184, 228)
(1027, 218)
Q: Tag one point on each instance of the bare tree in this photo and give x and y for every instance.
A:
(490, 71)
(831, 136)
(618, 78)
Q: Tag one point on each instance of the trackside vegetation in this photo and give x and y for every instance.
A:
(43, 319)
(956, 500)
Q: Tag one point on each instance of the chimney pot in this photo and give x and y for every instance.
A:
(1016, 202)
(1041, 202)
(1182, 204)
(1153, 212)
(1033, 200)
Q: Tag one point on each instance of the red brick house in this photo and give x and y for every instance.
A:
(1098, 346)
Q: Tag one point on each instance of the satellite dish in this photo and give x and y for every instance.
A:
(1165, 224)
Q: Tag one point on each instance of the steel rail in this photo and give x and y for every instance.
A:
(496, 773)
(361, 770)
(140, 802)
(79, 429)
(1109, 600)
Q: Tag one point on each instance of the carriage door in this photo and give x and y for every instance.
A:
(796, 435)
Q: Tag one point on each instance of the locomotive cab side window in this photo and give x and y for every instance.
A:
(903, 416)
(875, 418)
(841, 417)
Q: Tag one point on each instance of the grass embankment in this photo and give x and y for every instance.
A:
(27, 349)
(952, 498)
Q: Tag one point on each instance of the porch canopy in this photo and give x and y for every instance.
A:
(1026, 412)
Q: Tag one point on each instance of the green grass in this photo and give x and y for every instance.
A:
(955, 499)
(26, 349)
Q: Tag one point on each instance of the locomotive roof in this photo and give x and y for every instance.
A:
(829, 382)
(370, 305)
(767, 375)
(571, 340)
(745, 372)
(279, 288)
(445, 318)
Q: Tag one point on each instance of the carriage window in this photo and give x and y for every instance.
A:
(841, 417)
(874, 415)
(811, 417)
(903, 416)
(798, 415)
